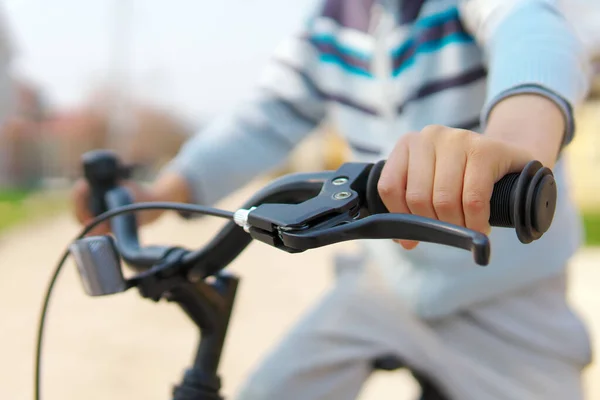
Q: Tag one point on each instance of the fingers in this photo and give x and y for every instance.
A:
(447, 174)
(477, 191)
(80, 198)
(102, 229)
(448, 185)
(419, 185)
(421, 172)
(392, 184)
(487, 162)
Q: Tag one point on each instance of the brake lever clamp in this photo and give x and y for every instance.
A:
(340, 213)
(340, 201)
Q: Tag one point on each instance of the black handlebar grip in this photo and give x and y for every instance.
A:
(525, 201)
(102, 170)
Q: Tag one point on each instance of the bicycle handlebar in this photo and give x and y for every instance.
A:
(293, 213)
(231, 240)
(335, 206)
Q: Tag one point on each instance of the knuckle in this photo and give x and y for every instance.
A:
(432, 132)
(387, 190)
(460, 138)
(410, 138)
(417, 200)
(432, 129)
(445, 202)
(477, 147)
(465, 134)
(474, 202)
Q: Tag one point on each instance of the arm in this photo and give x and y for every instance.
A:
(538, 71)
(253, 138)
(532, 122)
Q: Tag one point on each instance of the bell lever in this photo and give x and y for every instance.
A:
(343, 194)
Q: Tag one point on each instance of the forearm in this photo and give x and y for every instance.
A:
(537, 72)
(172, 186)
(234, 150)
(529, 42)
(531, 122)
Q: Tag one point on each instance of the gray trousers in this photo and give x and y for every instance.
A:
(529, 346)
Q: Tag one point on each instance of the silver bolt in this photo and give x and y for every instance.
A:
(241, 218)
(339, 181)
(342, 195)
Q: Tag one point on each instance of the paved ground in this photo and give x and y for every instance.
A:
(123, 347)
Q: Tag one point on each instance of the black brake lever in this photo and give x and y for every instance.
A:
(340, 213)
(390, 226)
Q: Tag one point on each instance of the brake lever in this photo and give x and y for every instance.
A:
(349, 207)
(390, 226)
(340, 213)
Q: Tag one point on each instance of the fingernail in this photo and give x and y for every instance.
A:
(407, 244)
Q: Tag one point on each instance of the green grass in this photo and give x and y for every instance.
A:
(13, 195)
(12, 210)
(591, 221)
(18, 206)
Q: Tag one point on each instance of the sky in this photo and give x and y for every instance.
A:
(198, 57)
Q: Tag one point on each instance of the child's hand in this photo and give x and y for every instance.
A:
(447, 174)
(81, 197)
(168, 187)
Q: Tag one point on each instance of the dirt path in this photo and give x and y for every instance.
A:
(123, 347)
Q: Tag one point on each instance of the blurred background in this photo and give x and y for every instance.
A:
(141, 76)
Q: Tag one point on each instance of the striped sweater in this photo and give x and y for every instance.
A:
(378, 69)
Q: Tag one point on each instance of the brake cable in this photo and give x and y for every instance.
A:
(132, 208)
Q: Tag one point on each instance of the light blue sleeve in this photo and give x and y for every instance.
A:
(564, 106)
(533, 49)
(242, 144)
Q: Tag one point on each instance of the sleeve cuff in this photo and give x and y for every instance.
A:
(564, 106)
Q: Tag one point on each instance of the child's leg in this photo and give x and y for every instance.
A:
(329, 353)
(320, 359)
(531, 337)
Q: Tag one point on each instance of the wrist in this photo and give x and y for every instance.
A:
(171, 187)
(531, 122)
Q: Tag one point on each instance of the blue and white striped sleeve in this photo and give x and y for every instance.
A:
(259, 134)
(530, 47)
